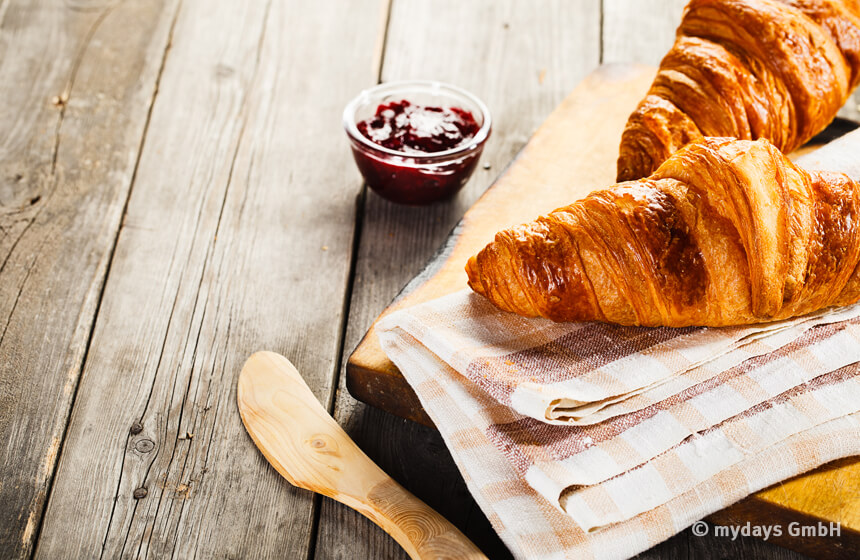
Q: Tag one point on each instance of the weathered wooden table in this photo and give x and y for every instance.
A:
(176, 193)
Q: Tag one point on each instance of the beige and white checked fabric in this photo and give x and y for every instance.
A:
(598, 441)
(582, 373)
(706, 415)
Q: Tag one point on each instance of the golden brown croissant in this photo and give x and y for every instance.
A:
(748, 69)
(725, 232)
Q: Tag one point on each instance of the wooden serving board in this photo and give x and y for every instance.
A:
(572, 154)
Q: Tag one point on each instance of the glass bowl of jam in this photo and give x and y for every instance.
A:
(416, 142)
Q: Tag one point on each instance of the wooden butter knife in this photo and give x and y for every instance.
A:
(305, 444)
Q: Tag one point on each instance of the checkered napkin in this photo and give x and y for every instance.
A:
(702, 418)
(589, 440)
(583, 373)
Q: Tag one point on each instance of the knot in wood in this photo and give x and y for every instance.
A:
(323, 444)
(139, 493)
(136, 428)
(144, 445)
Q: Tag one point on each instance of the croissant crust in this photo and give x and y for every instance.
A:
(725, 232)
(747, 69)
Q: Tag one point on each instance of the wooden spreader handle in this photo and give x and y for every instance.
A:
(304, 443)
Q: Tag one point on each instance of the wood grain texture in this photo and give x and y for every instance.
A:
(76, 86)
(851, 110)
(639, 32)
(521, 62)
(237, 236)
(308, 448)
(805, 493)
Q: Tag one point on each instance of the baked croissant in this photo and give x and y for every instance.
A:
(748, 69)
(725, 232)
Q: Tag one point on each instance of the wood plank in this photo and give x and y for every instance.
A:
(639, 32)
(238, 237)
(521, 62)
(851, 110)
(76, 82)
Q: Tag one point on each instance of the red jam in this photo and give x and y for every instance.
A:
(409, 128)
(416, 132)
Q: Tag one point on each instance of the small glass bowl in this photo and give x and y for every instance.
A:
(409, 178)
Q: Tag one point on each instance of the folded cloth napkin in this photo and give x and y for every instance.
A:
(582, 373)
(594, 440)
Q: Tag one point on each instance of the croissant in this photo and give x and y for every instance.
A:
(725, 232)
(747, 69)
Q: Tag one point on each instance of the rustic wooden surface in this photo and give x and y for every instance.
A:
(175, 194)
(77, 83)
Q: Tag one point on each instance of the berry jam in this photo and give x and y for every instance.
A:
(408, 128)
(415, 175)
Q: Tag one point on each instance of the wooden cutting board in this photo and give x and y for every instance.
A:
(572, 154)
